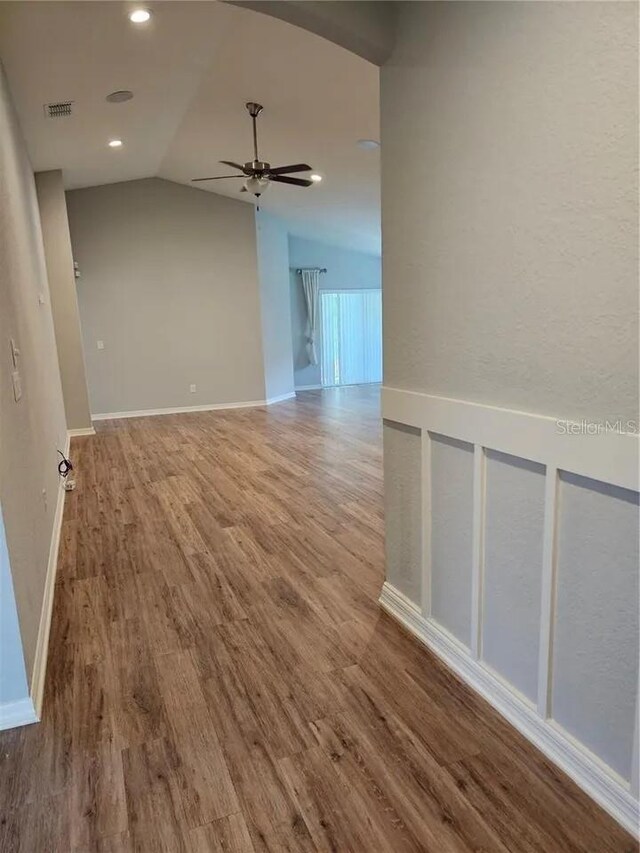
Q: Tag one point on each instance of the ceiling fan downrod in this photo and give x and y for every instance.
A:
(254, 111)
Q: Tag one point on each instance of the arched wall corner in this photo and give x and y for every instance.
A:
(365, 28)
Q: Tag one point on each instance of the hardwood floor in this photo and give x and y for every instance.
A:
(221, 678)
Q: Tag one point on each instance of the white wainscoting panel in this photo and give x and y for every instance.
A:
(512, 582)
(402, 507)
(529, 578)
(451, 534)
(595, 647)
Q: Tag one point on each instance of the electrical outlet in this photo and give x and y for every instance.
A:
(44, 499)
(100, 344)
(192, 388)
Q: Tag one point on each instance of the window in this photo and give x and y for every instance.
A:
(351, 325)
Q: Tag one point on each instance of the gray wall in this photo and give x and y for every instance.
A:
(32, 429)
(345, 269)
(169, 283)
(273, 271)
(510, 194)
(64, 300)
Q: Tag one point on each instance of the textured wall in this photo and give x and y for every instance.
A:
(510, 213)
(595, 665)
(64, 300)
(275, 307)
(345, 270)
(510, 264)
(513, 569)
(169, 283)
(33, 428)
(403, 507)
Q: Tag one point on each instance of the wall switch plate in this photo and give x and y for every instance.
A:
(17, 386)
(100, 344)
(15, 352)
(192, 389)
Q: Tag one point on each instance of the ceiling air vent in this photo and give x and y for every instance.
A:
(58, 110)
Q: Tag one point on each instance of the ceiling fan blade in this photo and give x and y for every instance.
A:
(285, 170)
(233, 165)
(297, 182)
(215, 178)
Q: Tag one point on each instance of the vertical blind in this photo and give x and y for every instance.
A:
(351, 324)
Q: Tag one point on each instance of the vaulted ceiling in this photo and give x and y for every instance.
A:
(191, 69)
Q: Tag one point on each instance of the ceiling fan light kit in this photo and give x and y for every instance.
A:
(258, 173)
(256, 185)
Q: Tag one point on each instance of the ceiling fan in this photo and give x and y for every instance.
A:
(258, 174)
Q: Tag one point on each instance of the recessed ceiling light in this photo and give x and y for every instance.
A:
(139, 16)
(119, 97)
(315, 178)
(368, 144)
(115, 143)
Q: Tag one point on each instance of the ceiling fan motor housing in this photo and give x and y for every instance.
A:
(256, 167)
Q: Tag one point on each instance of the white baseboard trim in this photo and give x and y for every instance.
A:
(39, 673)
(20, 713)
(309, 387)
(281, 398)
(176, 410)
(592, 775)
(75, 433)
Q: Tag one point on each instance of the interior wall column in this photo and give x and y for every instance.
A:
(64, 300)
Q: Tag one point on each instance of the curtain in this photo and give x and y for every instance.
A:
(351, 337)
(311, 287)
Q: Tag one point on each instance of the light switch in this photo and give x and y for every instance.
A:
(192, 388)
(17, 386)
(15, 352)
(100, 344)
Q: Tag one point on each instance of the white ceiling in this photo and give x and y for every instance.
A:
(191, 68)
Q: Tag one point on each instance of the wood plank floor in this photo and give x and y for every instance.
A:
(221, 678)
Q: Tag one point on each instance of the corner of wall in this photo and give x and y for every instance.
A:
(275, 307)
